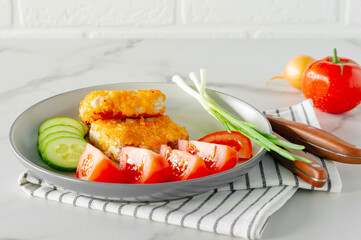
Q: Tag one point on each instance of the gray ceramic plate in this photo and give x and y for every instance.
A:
(182, 109)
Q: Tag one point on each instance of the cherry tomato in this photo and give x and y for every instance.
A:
(333, 84)
(218, 158)
(95, 166)
(184, 166)
(237, 140)
(143, 166)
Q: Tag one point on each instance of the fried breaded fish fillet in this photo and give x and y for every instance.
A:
(121, 104)
(150, 133)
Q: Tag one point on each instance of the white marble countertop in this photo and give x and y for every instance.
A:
(32, 70)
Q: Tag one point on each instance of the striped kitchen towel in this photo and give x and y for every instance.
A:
(241, 208)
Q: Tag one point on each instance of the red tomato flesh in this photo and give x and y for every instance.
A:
(184, 166)
(236, 140)
(95, 166)
(143, 166)
(218, 158)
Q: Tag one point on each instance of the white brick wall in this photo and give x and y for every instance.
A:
(180, 18)
(259, 12)
(354, 13)
(96, 13)
(5, 14)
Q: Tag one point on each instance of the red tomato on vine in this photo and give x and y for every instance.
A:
(333, 84)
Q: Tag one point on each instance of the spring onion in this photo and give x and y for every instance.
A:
(232, 123)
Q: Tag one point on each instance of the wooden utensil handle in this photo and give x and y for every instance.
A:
(316, 141)
(313, 172)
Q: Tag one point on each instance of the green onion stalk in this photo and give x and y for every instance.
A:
(232, 123)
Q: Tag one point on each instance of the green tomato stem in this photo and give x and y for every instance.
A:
(335, 57)
(336, 60)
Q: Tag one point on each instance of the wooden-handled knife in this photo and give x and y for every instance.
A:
(316, 141)
(313, 172)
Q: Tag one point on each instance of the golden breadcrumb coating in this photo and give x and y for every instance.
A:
(111, 135)
(121, 104)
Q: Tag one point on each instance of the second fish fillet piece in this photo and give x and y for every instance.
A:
(121, 104)
(150, 133)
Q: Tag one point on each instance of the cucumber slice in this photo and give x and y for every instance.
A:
(65, 121)
(54, 135)
(85, 126)
(63, 153)
(58, 128)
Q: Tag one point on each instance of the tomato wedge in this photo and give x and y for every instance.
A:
(218, 158)
(95, 166)
(237, 140)
(184, 166)
(143, 166)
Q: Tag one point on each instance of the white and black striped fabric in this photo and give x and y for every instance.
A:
(240, 209)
